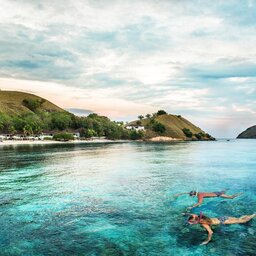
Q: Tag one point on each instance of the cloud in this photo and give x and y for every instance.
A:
(243, 108)
(225, 68)
(123, 58)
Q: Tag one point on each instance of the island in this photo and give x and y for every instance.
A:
(249, 133)
(25, 116)
(162, 126)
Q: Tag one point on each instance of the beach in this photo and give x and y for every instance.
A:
(164, 139)
(45, 142)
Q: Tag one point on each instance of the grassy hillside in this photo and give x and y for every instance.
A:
(11, 103)
(174, 127)
(28, 114)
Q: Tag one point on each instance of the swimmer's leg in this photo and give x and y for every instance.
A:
(231, 197)
(241, 220)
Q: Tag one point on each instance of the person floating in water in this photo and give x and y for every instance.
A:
(206, 222)
(202, 195)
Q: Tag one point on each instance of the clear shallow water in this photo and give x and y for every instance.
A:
(117, 199)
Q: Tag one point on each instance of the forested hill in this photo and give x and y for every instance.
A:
(29, 114)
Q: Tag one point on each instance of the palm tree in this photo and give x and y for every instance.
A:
(140, 117)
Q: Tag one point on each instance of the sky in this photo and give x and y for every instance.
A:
(125, 58)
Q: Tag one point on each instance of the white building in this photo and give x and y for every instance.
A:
(76, 135)
(45, 136)
(135, 127)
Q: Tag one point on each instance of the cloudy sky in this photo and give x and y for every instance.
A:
(125, 58)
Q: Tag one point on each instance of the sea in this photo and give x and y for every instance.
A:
(118, 198)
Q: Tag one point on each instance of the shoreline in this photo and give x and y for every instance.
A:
(46, 142)
(164, 139)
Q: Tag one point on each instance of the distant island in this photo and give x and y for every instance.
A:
(249, 133)
(24, 115)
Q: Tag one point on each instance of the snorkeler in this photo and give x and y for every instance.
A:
(206, 222)
(202, 195)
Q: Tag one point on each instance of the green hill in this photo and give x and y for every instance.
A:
(172, 126)
(14, 103)
(28, 114)
(249, 133)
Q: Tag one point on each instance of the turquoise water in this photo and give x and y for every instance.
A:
(117, 199)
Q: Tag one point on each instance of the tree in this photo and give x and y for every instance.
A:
(18, 123)
(200, 135)
(86, 122)
(60, 121)
(125, 134)
(32, 104)
(33, 121)
(11, 130)
(141, 117)
(119, 123)
(75, 122)
(98, 127)
(27, 130)
(148, 116)
(39, 120)
(82, 132)
(136, 135)
(46, 120)
(209, 136)
(5, 122)
(65, 136)
(113, 133)
(158, 127)
(187, 132)
(89, 133)
(37, 128)
(161, 112)
(154, 115)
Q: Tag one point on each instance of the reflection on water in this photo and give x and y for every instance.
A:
(117, 199)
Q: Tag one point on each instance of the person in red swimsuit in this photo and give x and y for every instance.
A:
(202, 195)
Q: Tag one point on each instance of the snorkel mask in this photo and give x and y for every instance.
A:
(192, 193)
(196, 221)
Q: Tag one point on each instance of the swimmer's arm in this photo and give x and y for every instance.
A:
(185, 193)
(200, 200)
(210, 232)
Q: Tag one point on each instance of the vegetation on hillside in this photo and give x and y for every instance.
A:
(30, 114)
(161, 112)
(187, 132)
(16, 103)
(175, 126)
(35, 115)
(38, 122)
(64, 136)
